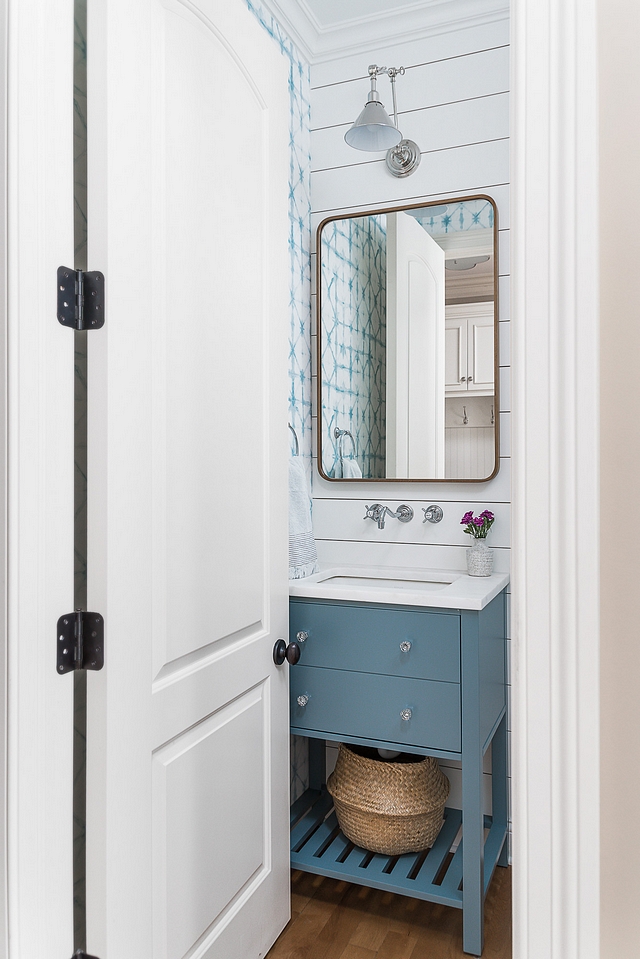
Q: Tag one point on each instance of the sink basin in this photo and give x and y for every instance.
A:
(445, 589)
(386, 582)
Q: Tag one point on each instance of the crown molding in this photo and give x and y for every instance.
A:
(412, 21)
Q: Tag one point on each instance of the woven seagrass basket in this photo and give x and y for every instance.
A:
(388, 806)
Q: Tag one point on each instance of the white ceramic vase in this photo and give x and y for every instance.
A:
(479, 559)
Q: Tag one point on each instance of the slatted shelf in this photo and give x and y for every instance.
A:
(318, 846)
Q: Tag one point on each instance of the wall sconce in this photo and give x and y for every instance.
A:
(374, 130)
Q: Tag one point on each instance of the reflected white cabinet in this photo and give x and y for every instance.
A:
(469, 349)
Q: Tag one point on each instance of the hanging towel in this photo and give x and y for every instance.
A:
(303, 558)
(350, 469)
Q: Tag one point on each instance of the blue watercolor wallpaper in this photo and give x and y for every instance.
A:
(353, 342)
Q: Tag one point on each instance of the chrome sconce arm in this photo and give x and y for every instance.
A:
(374, 130)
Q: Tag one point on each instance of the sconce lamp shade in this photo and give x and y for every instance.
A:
(373, 130)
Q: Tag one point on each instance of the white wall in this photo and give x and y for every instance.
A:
(453, 102)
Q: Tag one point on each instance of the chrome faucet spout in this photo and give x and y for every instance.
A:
(378, 514)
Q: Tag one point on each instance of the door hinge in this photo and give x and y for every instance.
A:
(80, 299)
(80, 642)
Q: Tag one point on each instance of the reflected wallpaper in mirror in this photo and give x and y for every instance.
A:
(407, 343)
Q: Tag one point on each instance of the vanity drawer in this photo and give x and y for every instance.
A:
(368, 638)
(368, 706)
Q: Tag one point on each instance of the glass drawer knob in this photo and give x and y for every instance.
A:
(302, 700)
(405, 646)
(406, 715)
(302, 636)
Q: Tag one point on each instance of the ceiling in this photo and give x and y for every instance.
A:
(326, 29)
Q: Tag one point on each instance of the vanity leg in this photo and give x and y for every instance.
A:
(499, 785)
(317, 763)
(472, 793)
(472, 854)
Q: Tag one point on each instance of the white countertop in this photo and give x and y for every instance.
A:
(439, 588)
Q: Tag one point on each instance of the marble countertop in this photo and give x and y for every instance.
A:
(439, 588)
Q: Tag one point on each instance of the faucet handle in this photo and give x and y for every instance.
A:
(373, 512)
(432, 514)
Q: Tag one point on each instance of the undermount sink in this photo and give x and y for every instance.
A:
(373, 581)
(445, 589)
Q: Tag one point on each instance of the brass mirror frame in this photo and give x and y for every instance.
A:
(496, 337)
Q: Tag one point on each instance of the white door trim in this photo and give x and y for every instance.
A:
(555, 577)
(4, 903)
(40, 557)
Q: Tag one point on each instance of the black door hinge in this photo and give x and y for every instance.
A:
(80, 642)
(80, 299)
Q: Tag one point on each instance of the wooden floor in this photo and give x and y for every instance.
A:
(331, 919)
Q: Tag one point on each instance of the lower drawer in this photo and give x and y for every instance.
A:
(369, 706)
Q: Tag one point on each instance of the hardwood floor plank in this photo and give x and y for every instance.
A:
(397, 946)
(356, 952)
(337, 920)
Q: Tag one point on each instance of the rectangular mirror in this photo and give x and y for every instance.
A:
(408, 343)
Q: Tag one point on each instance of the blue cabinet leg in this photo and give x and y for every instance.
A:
(472, 855)
(500, 786)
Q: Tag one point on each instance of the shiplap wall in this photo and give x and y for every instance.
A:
(453, 101)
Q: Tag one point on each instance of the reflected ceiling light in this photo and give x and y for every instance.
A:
(374, 130)
(464, 262)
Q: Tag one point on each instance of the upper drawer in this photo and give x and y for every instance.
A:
(367, 639)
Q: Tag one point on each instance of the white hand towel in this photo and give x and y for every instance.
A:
(350, 469)
(303, 558)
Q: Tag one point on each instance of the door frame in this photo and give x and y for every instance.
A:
(555, 462)
(555, 557)
(37, 436)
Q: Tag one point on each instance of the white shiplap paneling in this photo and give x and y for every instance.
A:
(439, 128)
(475, 168)
(423, 85)
(445, 45)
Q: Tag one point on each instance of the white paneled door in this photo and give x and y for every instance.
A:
(187, 827)
(415, 350)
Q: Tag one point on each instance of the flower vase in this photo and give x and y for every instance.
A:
(479, 559)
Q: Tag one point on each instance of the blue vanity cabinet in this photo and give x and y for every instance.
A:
(423, 680)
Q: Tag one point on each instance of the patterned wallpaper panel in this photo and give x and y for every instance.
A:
(299, 231)
(353, 341)
(457, 217)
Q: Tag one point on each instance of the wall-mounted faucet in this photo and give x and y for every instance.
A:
(378, 513)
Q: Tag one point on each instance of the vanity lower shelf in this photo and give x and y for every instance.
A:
(318, 846)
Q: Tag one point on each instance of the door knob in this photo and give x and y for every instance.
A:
(293, 653)
(281, 652)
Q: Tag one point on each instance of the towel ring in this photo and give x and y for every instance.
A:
(295, 436)
(339, 435)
